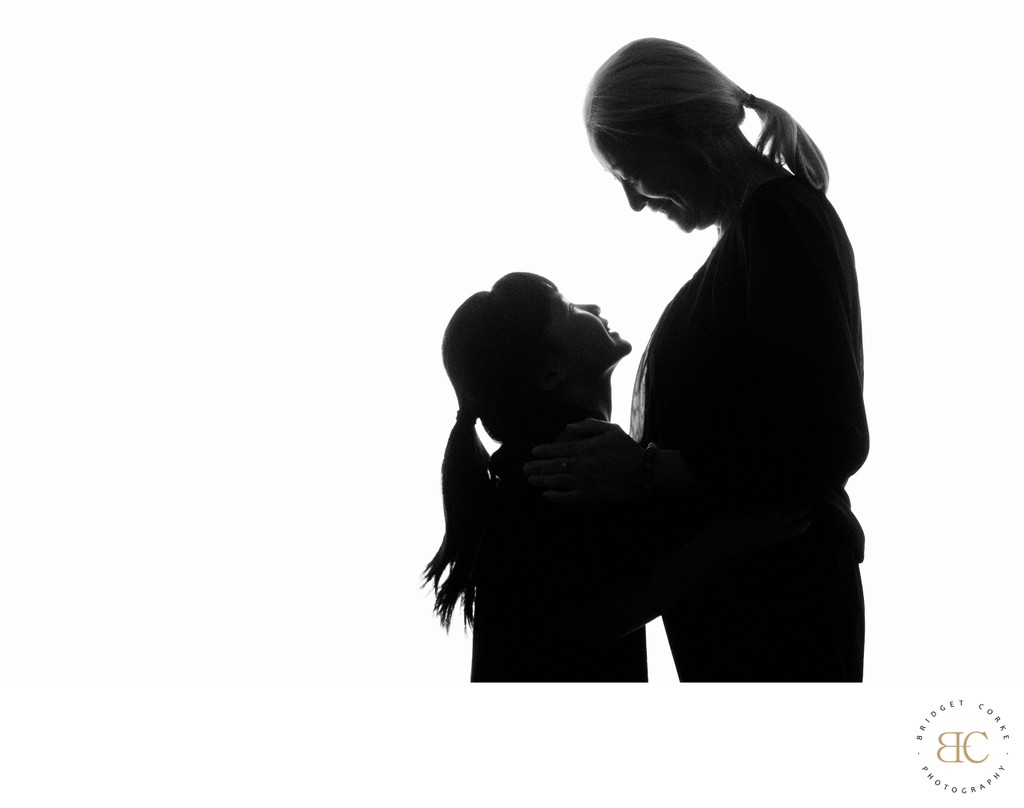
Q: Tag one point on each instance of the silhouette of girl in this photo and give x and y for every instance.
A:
(552, 594)
(750, 390)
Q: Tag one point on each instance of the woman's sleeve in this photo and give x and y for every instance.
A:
(806, 424)
(609, 597)
(606, 578)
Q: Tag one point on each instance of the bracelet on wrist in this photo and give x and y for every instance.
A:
(650, 453)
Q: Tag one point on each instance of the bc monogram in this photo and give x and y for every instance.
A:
(961, 747)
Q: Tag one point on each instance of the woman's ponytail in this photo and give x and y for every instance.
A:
(651, 84)
(466, 492)
(785, 142)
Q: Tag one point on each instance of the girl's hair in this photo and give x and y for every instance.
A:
(655, 86)
(493, 350)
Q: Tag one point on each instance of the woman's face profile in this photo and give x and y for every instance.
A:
(655, 174)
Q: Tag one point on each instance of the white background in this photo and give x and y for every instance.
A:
(232, 235)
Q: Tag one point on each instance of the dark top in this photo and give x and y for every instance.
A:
(544, 578)
(755, 374)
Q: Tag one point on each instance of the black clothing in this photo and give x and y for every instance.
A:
(543, 576)
(755, 374)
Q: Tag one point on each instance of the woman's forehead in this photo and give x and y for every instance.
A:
(619, 157)
(627, 155)
(602, 147)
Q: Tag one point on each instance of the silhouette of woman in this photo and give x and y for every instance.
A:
(750, 389)
(553, 594)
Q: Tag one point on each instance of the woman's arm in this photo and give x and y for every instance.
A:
(608, 615)
(670, 475)
(806, 423)
(596, 462)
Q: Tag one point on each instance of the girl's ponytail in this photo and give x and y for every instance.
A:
(466, 492)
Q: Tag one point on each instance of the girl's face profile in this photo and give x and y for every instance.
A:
(582, 337)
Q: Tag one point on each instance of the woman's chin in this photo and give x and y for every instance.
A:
(679, 220)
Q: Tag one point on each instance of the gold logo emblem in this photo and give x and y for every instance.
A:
(962, 731)
(960, 746)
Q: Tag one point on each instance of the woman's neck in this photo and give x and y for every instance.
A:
(748, 174)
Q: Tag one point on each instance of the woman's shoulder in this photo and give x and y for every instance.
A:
(786, 222)
(783, 191)
(786, 194)
(788, 206)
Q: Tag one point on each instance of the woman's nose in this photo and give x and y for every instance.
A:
(593, 308)
(637, 201)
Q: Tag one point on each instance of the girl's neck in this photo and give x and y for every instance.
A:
(589, 398)
(577, 401)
